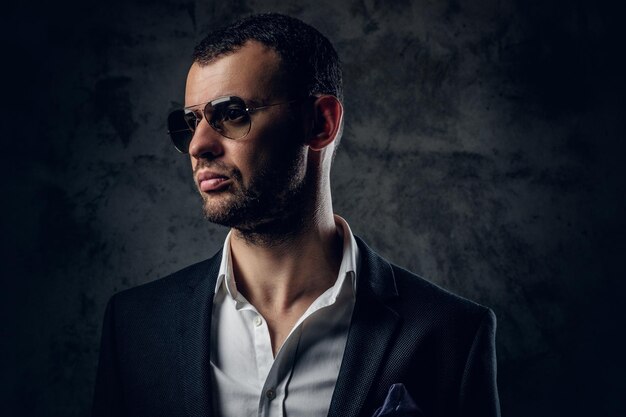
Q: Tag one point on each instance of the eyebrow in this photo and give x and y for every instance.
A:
(198, 105)
(216, 100)
(250, 103)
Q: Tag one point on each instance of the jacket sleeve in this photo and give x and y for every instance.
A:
(108, 393)
(479, 390)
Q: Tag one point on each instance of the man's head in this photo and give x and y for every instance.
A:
(309, 62)
(261, 148)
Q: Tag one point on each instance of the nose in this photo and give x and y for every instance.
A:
(206, 142)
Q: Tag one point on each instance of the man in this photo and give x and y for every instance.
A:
(295, 316)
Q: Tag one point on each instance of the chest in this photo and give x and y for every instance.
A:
(253, 378)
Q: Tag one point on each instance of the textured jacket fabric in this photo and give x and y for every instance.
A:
(154, 357)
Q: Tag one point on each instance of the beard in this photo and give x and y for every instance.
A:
(272, 208)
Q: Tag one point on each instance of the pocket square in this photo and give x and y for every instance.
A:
(398, 404)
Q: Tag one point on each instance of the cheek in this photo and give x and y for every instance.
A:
(270, 154)
(249, 161)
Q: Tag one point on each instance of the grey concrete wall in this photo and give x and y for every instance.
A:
(483, 150)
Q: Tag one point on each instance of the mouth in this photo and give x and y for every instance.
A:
(212, 181)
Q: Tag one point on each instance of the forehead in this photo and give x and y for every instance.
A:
(252, 72)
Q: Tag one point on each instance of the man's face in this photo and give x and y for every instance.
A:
(258, 180)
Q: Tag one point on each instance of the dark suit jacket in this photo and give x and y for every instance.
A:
(154, 358)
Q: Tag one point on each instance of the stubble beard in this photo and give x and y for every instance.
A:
(271, 210)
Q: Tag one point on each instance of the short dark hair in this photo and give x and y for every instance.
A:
(306, 55)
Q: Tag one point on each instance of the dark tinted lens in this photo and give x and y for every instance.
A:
(230, 118)
(179, 130)
(191, 119)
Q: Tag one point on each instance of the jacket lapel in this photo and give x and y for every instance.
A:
(195, 340)
(371, 332)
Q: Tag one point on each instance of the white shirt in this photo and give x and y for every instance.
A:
(247, 379)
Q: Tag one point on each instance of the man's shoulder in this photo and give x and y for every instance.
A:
(169, 287)
(418, 291)
(418, 298)
(428, 308)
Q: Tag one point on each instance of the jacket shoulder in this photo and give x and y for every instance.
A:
(412, 293)
(417, 289)
(166, 289)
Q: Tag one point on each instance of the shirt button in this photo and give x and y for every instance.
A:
(258, 321)
(270, 394)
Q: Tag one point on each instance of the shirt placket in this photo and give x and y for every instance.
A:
(269, 382)
(273, 393)
(262, 346)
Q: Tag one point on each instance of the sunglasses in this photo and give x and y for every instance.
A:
(228, 116)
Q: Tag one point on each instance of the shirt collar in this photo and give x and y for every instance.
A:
(348, 268)
(225, 274)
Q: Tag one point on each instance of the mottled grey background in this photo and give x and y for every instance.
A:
(483, 150)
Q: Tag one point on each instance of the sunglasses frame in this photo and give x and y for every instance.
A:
(249, 110)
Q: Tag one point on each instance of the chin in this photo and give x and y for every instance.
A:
(238, 217)
(218, 215)
(225, 213)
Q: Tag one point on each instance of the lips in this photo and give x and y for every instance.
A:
(211, 181)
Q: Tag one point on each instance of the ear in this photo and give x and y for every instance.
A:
(327, 123)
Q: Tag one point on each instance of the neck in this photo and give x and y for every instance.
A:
(285, 263)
